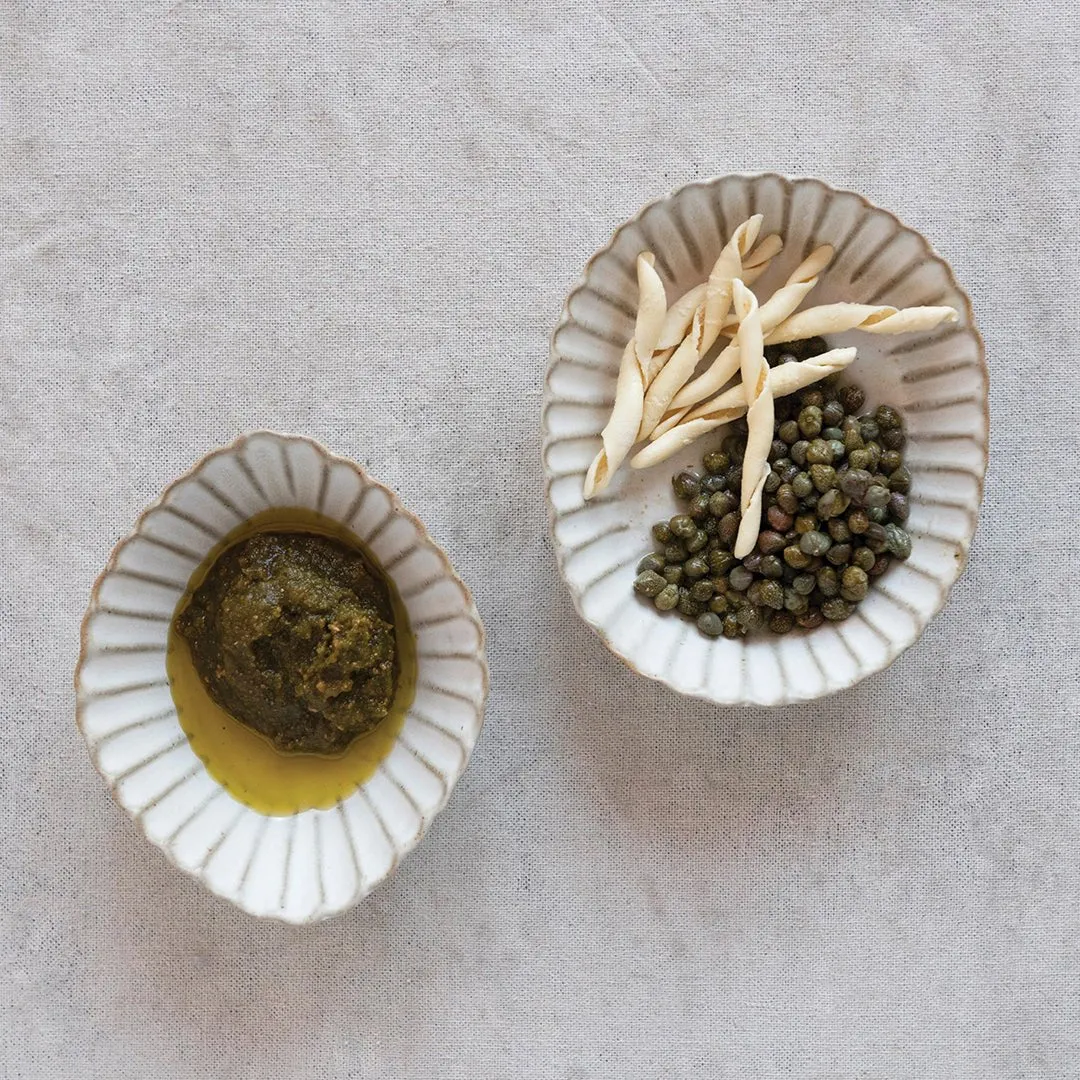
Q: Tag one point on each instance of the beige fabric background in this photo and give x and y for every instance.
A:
(358, 221)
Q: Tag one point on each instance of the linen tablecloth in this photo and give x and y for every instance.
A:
(359, 221)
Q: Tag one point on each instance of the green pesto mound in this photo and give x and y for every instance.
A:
(293, 635)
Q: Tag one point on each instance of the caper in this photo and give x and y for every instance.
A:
(732, 629)
(874, 537)
(836, 610)
(887, 417)
(786, 499)
(858, 522)
(839, 530)
(853, 440)
(805, 523)
(662, 533)
(832, 413)
(854, 584)
(852, 398)
(779, 519)
(814, 399)
(802, 485)
(771, 567)
(823, 477)
(701, 590)
(828, 582)
(833, 434)
(814, 543)
(653, 562)
(859, 459)
(717, 461)
(752, 561)
(832, 504)
(749, 617)
(797, 453)
(710, 624)
(714, 482)
(789, 432)
(687, 484)
(720, 561)
(794, 556)
(729, 528)
(697, 541)
(893, 440)
(787, 358)
(881, 564)
(675, 552)
(890, 461)
(868, 428)
(695, 567)
(898, 506)
(689, 607)
(819, 453)
(740, 578)
(876, 495)
(795, 602)
(672, 574)
(772, 595)
(649, 583)
(721, 503)
(855, 483)
(863, 558)
(838, 554)
(770, 542)
(718, 604)
(734, 476)
(804, 584)
(667, 598)
(682, 526)
(772, 481)
(781, 622)
(897, 541)
(699, 506)
(877, 514)
(873, 456)
(809, 423)
(900, 479)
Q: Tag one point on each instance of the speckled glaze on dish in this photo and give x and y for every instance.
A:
(313, 864)
(939, 380)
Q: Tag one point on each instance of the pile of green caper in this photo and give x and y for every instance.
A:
(833, 515)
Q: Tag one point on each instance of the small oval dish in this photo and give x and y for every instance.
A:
(938, 379)
(315, 863)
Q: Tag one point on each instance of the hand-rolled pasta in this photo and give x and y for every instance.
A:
(703, 331)
(725, 270)
(679, 316)
(759, 417)
(757, 262)
(874, 319)
(774, 311)
(651, 313)
(911, 320)
(620, 432)
(731, 404)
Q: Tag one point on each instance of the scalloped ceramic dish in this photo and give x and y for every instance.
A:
(314, 863)
(938, 379)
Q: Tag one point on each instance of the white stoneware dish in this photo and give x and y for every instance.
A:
(938, 379)
(316, 863)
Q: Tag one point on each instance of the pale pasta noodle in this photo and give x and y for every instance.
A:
(777, 308)
(873, 319)
(620, 432)
(731, 404)
(704, 330)
(759, 417)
